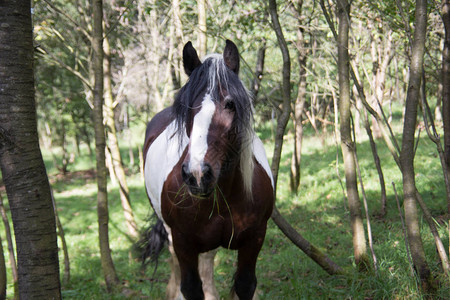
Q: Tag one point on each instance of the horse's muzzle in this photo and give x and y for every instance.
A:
(199, 182)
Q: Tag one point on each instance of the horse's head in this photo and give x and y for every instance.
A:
(215, 111)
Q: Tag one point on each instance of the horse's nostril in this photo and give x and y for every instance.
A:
(208, 175)
(187, 176)
(207, 170)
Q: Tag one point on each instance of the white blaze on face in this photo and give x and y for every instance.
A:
(199, 135)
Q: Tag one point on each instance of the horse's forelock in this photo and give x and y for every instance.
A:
(214, 77)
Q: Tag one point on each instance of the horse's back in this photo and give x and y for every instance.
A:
(156, 126)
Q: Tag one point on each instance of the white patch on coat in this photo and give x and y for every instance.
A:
(199, 135)
(162, 156)
(260, 155)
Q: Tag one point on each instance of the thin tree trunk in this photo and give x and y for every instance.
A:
(446, 91)
(261, 56)
(376, 158)
(381, 58)
(109, 165)
(202, 40)
(60, 232)
(405, 235)
(130, 136)
(284, 226)
(407, 150)
(21, 162)
(299, 103)
(434, 137)
(286, 91)
(366, 210)
(392, 147)
(113, 145)
(391, 144)
(176, 73)
(102, 196)
(347, 145)
(12, 258)
(3, 279)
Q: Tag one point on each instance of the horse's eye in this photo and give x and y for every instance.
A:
(230, 105)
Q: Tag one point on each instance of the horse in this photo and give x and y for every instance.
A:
(207, 176)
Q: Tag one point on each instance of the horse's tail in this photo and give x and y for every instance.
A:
(151, 243)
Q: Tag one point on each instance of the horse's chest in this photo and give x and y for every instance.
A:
(210, 224)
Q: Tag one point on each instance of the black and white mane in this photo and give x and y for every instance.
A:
(213, 77)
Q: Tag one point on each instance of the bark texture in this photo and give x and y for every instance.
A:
(347, 144)
(299, 101)
(286, 91)
(100, 143)
(259, 69)
(407, 149)
(21, 162)
(446, 89)
(113, 144)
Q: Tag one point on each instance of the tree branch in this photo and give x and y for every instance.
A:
(53, 58)
(85, 33)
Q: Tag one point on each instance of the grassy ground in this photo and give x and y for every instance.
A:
(284, 272)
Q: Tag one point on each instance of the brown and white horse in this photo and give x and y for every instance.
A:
(207, 176)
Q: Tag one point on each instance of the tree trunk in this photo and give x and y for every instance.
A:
(12, 257)
(376, 159)
(3, 278)
(446, 90)
(286, 91)
(382, 54)
(407, 150)
(259, 69)
(113, 145)
(176, 60)
(347, 144)
(202, 40)
(130, 136)
(313, 252)
(102, 196)
(21, 162)
(60, 232)
(299, 103)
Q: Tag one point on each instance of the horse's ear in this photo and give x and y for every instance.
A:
(231, 56)
(190, 58)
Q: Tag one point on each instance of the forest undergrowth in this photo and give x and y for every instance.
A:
(318, 212)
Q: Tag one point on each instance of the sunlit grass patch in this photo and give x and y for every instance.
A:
(318, 212)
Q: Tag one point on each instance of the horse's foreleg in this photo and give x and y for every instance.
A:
(206, 270)
(245, 278)
(191, 284)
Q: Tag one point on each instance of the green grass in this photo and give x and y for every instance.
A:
(283, 271)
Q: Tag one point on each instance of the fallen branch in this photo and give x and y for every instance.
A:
(313, 252)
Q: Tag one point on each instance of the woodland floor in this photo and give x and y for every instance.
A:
(284, 272)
